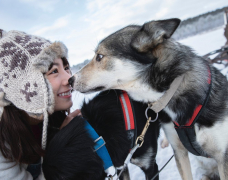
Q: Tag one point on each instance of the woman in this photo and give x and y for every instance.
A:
(34, 87)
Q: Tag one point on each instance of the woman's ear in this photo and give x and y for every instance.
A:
(153, 33)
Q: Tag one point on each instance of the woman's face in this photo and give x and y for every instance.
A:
(58, 76)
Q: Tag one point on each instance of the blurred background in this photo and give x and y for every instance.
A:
(82, 24)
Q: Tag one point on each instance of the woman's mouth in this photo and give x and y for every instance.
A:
(66, 94)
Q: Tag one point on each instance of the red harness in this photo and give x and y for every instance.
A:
(127, 111)
(187, 133)
(128, 115)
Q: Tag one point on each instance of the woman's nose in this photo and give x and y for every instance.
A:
(66, 77)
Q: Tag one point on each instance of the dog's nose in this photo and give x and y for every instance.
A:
(71, 81)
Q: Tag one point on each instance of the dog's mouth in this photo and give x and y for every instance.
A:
(98, 88)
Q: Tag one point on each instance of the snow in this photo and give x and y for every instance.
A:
(206, 42)
(202, 44)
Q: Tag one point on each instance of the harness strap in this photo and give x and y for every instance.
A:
(99, 143)
(186, 132)
(129, 117)
(199, 109)
(127, 111)
(99, 147)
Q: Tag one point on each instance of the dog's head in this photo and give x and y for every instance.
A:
(121, 58)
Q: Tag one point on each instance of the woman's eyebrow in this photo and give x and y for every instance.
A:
(57, 64)
(51, 66)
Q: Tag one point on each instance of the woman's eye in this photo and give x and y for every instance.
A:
(54, 71)
(99, 57)
(67, 69)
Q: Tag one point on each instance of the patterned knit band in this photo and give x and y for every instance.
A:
(24, 59)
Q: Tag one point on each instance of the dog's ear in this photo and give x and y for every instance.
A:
(153, 33)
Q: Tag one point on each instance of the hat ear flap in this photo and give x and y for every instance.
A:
(3, 101)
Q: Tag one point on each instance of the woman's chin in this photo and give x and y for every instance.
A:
(63, 106)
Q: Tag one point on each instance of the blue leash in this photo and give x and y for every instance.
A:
(101, 149)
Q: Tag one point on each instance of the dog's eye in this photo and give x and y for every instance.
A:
(99, 57)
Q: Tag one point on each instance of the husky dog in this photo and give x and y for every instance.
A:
(144, 61)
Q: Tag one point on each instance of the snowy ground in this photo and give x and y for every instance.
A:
(202, 44)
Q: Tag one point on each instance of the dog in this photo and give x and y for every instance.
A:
(70, 153)
(144, 61)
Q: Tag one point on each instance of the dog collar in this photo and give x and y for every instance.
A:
(129, 117)
(161, 103)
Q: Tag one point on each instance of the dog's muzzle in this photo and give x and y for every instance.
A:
(71, 81)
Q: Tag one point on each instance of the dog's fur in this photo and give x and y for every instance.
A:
(70, 156)
(144, 61)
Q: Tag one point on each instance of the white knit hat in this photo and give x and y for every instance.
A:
(24, 60)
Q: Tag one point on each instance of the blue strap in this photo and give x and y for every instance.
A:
(99, 143)
(101, 150)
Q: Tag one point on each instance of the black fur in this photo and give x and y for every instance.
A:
(104, 113)
(216, 107)
(69, 154)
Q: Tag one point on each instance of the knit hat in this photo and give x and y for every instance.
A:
(24, 60)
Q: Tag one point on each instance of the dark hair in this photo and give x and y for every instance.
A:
(65, 62)
(17, 141)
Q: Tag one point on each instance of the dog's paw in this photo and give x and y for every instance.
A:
(164, 143)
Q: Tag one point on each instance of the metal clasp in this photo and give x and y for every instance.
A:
(147, 115)
(99, 145)
(141, 137)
